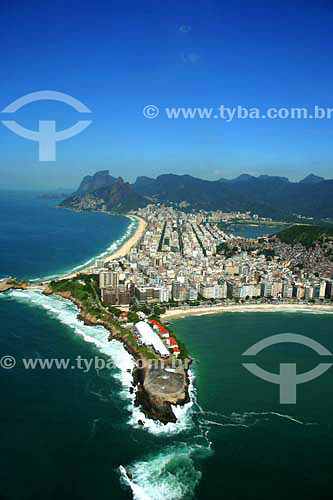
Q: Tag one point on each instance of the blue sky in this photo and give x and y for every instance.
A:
(118, 57)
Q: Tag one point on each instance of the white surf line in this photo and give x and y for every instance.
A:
(243, 416)
(210, 422)
(170, 473)
(183, 413)
(288, 417)
(138, 492)
(66, 312)
(111, 249)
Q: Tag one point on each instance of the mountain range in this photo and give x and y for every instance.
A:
(104, 192)
(270, 196)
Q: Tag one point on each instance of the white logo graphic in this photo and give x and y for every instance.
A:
(47, 135)
(7, 362)
(288, 379)
(150, 111)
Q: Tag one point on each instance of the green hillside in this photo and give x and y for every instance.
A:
(306, 235)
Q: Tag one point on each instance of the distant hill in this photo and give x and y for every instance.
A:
(311, 179)
(306, 235)
(115, 195)
(94, 182)
(268, 196)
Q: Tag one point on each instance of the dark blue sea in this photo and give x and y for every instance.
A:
(39, 240)
(70, 433)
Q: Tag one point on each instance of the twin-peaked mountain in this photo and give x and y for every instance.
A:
(270, 196)
(94, 182)
(104, 192)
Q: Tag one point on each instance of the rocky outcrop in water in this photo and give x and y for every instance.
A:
(157, 389)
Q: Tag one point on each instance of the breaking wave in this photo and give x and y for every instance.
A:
(109, 251)
(66, 312)
(173, 471)
(170, 474)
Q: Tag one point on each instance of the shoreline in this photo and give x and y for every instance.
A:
(151, 403)
(204, 311)
(122, 251)
(131, 242)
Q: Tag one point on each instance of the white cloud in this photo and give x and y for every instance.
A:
(189, 57)
(185, 28)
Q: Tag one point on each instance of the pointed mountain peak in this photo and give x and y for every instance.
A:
(312, 179)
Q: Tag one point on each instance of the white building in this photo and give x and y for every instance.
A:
(150, 338)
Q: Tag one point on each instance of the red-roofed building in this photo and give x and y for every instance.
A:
(176, 351)
(156, 323)
(173, 341)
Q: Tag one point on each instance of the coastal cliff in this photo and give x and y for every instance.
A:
(157, 388)
(156, 394)
(104, 192)
(12, 284)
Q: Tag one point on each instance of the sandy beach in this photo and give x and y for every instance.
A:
(200, 311)
(121, 252)
(131, 242)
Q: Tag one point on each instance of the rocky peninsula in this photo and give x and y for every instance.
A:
(158, 384)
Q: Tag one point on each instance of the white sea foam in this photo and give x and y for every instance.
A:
(170, 474)
(66, 312)
(248, 418)
(115, 245)
(183, 413)
(279, 415)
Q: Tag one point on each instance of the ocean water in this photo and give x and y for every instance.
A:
(261, 449)
(38, 240)
(73, 434)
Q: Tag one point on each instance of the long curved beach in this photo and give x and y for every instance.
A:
(200, 311)
(120, 252)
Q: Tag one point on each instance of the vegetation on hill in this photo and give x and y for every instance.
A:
(226, 250)
(270, 196)
(115, 196)
(85, 289)
(306, 235)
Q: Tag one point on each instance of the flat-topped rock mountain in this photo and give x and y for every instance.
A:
(103, 192)
(266, 195)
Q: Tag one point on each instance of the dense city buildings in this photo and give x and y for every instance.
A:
(188, 258)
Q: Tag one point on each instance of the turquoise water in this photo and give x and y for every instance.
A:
(71, 434)
(68, 433)
(262, 449)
